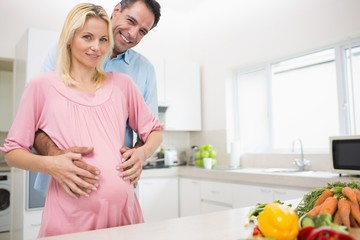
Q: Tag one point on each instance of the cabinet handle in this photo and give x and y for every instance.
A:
(265, 190)
(214, 192)
(280, 192)
(228, 205)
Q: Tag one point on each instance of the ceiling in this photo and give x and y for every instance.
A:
(205, 26)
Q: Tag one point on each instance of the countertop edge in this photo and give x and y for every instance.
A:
(253, 178)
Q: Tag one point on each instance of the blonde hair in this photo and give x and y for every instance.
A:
(76, 19)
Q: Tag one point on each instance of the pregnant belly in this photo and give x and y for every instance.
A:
(112, 189)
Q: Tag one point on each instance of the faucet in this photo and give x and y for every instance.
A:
(301, 163)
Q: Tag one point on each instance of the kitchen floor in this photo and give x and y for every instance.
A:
(5, 235)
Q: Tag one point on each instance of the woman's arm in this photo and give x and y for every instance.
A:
(60, 167)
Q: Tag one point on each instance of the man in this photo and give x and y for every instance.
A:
(131, 21)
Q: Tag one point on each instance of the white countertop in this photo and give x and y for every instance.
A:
(254, 176)
(229, 224)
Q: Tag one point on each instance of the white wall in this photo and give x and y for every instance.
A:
(221, 35)
(247, 33)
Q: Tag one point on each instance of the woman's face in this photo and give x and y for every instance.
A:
(90, 43)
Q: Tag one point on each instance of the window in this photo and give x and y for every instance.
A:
(304, 100)
(352, 74)
(311, 97)
(252, 110)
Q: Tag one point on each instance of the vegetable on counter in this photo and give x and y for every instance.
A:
(322, 233)
(340, 200)
(254, 212)
(322, 220)
(328, 213)
(278, 221)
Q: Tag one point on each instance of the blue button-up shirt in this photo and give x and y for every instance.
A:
(130, 62)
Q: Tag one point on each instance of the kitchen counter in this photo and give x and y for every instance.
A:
(230, 224)
(255, 176)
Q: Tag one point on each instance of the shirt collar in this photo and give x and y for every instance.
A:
(125, 55)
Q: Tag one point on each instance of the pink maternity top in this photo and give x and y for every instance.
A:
(72, 118)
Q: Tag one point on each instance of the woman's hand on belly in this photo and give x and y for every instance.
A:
(76, 181)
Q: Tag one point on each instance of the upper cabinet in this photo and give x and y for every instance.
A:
(179, 90)
(30, 54)
(6, 99)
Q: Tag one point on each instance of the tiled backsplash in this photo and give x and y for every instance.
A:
(2, 140)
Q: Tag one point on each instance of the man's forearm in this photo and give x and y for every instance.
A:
(44, 145)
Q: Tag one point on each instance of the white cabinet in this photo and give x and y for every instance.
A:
(216, 196)
(6, 100)
(178, 86)
(183, 95)
(159, 198)
(284, 194)
(190, 199)
(32, 224)
(159, 65)
(249, 195)
(200, 196)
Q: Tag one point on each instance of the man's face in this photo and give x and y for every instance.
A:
(130, 26)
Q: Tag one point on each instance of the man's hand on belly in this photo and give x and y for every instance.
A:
(86, 178)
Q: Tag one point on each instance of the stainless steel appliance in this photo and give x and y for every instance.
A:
(194, 150)
(4, 201)
(35, 198)
(171, 157)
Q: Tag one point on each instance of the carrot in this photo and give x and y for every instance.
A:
(314, 211)
(337, 218)
(357, 193)
(355, 211)
(349, 194)
(344, 206)
(329, 206)
(323, 196)
(353, 222)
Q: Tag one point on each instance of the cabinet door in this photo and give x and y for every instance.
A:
(216, 196)
(183, 95)
(250, 195)
(158, 198)
(159, 66)
(32, 222)
(288, 194)
(189, 190)
(208, 207)
(6, 100)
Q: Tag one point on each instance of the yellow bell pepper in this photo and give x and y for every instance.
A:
(278, 221)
